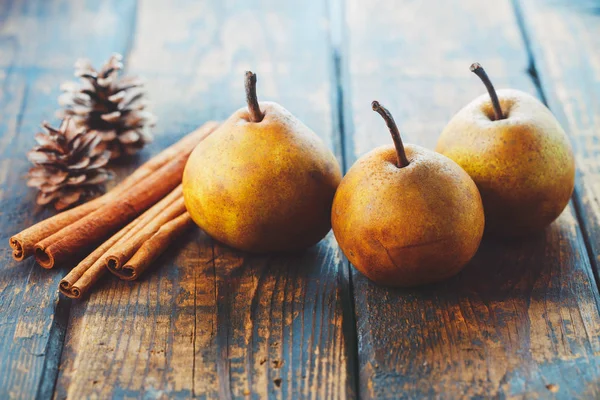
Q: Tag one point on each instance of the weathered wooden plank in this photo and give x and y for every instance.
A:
(209, 321)
(565, 44)
(37, 52)
(522, 319)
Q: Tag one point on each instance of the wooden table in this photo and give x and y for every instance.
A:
(521, 321)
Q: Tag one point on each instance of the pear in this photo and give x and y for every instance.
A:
(263, 181)
(518, 155)
(405, 215)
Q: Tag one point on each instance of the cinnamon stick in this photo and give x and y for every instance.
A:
(89, 270)
(23, 243)
(154, 247)
(92, 268)
(73, 240)
(124, 250)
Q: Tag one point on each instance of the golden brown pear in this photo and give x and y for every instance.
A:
(518, 155)
(407, 216)
(263, 181)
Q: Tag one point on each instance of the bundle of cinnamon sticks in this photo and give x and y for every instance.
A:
(123, 231)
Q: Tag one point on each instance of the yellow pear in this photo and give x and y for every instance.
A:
(518, 155)
(407, 216)
(263, 181)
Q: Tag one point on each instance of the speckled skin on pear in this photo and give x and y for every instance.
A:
(523, 165)
(407, 226)
(262, 187)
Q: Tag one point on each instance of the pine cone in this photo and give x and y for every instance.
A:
(68, 165)
(113, 107)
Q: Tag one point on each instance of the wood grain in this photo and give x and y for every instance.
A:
(35, 56)
(209, 321)
(521, 321)
(564, 38)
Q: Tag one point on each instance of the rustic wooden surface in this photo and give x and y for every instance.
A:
(214, 322)
(564, 42)
(522, 321)
(38, 43)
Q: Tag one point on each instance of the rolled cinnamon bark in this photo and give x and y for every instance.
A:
(89, 271)
(75, 239)
(125, 249)
(152, 248)
(23, 243)
(72, 241)
(92, 268)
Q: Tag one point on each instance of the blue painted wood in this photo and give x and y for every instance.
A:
(39, 42)
(563, 41)
(522, 320)
(209, 321)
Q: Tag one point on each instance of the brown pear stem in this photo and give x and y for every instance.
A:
(255, 114)
(478, 70)
(391, 124)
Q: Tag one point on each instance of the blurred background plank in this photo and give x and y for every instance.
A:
(522, 318)
(209, 321)
(39, 42)
(564, 39)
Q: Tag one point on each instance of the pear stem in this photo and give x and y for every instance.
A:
(391, 124)
(478, 70)
(255, 114)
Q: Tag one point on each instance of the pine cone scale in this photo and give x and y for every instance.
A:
(45, 198)
(104, 117)
(68, 168)
(100, 161)
(107, 103)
